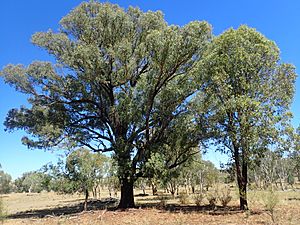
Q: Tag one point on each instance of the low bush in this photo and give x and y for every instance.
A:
(198, 198)
(183, 198)
(271, 201)
(225, 196)
(212, 197)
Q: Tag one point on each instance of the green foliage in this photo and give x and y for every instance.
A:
(35, 181)
(192, 173)
(271, 168)
(121, 82)
(199, 172)
(5, 183)
(290, 179)
(111, 179)
(125, 81)
(81, 171)
(244, 78)
(248, 111)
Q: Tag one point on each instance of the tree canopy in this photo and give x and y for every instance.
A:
(126, 82)
(248, 93)
(121, 81)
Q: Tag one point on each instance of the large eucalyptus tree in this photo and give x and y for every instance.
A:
(120, 82)
(249, 92)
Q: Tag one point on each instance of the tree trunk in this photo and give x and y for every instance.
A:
(86, 199)
(154, 188)
(144, 191)
(127, 197)
(242, 177)
(193, 189)
(242, 183)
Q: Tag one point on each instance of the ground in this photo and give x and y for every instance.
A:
(51, 208)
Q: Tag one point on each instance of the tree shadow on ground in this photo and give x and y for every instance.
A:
(66, 210)
(205, 209)
(293, 199)
(155, 198)
(111, 203)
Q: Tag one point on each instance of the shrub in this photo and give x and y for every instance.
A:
(183, 198)
(224, 196)
(198, 198)
(212, 197)
(271, 201)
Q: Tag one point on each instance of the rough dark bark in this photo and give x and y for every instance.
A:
(127, 197)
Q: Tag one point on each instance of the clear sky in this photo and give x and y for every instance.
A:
(277, 20)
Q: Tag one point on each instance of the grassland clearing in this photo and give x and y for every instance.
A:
(51, 208)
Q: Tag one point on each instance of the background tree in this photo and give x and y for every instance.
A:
(295, 155)
(112, 182)
(198, 173)
(249, 93)
(5, 182)
(81, 172)
(120, 83)
(34, 181)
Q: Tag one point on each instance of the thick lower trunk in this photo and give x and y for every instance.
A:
(242, 183)
(242, 178)
(86, 199)
(127, 197)
(243, 196)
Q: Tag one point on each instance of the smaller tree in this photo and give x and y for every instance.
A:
(211, 174)
(34, 181)
(5, 182)
(81, 172)
(111, 180)
(248, 111)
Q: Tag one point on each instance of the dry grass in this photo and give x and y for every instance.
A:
(50, 209)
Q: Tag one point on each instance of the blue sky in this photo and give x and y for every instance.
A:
(277, 20)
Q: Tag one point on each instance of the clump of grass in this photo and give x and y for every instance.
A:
(183, 198)
(225, 196)
(198, 198)
(271, 201)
